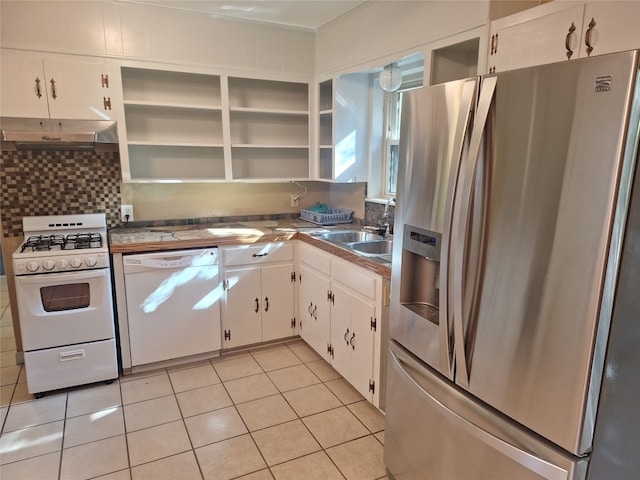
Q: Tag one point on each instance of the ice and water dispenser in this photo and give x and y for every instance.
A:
(420, 273)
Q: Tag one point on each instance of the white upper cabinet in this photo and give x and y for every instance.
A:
(609, 27)
(55, 87)
(546, 34)
(343, 128)
(558, 31)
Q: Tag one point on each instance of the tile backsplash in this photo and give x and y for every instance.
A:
(58, 183)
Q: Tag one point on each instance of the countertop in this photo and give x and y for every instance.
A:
(150, 239)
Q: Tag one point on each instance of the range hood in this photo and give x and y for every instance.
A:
(52, 134)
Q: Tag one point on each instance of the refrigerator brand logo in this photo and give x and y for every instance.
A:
(603, 83)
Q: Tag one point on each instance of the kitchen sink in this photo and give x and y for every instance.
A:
(349, 236)
(373, 247)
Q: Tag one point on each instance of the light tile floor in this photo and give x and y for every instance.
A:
(278, 412)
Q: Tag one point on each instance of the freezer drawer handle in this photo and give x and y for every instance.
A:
(74, 355)
(533, 463)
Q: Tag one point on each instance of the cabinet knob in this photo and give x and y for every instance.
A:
(567, 39)
(587, 36)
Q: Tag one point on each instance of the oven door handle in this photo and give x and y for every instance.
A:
(57, 277)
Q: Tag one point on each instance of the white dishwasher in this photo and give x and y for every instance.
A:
(173, 304)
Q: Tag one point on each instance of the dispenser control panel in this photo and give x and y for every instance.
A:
(422, 242)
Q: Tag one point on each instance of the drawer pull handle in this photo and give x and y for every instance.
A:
(255, 255)
(587, 38)
(74, 355)
(572, 29)
(54, 95)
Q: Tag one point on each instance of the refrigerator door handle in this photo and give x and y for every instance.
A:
(543, 467)
(461, 221)
(469, 92)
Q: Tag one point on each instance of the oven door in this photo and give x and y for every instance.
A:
(59, 309)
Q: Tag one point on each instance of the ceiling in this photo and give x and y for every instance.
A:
(307, 14)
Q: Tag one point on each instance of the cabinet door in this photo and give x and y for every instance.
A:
(242, 322)
(352, 339)
(610, 27)
(536, 38)
(79, 90)
(341, 331)
(314, 310)
(361, 343)
(23, 87)
(351, 119)
(277, 301)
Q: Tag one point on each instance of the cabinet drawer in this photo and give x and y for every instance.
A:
(315, 258)
(258, 253)
(61, 367)
(355, 278)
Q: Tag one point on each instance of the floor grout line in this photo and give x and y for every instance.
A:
(255, 355)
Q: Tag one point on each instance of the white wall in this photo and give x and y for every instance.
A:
(140, 32)
(383, 30)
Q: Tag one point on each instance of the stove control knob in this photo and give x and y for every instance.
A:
(33, 266)
(49, 264)
(91, 262)
(63, 264)
(76, 263)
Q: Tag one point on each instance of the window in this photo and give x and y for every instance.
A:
(392, 111)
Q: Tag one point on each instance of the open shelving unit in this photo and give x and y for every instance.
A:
(269, 129)
(199, 127)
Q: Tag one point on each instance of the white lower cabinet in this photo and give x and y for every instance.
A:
(341, 309)
(313, 309)
(352, 338)
(259, 288)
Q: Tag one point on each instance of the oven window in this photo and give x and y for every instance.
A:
(65, 297)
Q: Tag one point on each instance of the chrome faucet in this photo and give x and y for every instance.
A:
(385, 218)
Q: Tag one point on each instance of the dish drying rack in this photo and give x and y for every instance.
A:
(329, 216)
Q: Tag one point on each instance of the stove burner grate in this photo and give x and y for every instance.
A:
(39, 243)
(73, 241)
(83, 240)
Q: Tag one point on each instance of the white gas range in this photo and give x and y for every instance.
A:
(63, 287)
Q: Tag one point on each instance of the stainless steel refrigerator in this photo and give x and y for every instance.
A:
(513, 198)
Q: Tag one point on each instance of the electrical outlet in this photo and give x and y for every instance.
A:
(126, 213)
(295, 200)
